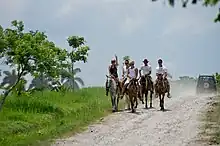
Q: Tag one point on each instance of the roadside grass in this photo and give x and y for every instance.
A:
(211, 129)
(33, 120)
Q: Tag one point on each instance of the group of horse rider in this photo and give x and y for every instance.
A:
(130, 72)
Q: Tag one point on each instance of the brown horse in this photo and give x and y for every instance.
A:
(160, 90)
(146, 86)
(132, 92)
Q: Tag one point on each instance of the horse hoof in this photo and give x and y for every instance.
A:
(133, 111)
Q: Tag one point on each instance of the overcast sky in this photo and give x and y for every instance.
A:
(186, 39)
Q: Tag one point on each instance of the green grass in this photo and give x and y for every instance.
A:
(211, 128)
(33, 120)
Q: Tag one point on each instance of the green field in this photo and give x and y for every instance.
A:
(211, 128)
(46, 115)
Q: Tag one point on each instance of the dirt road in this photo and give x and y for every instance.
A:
(179, 126)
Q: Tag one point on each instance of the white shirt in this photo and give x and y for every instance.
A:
(161, 70)
(125, 70)
(145, 69)
(132, 73)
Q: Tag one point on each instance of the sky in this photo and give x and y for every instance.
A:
(186, 39)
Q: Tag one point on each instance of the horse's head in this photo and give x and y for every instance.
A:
(160, 77)
(133, 83)
(110, 82)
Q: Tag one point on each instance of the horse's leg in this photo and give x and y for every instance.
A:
(136, 100)
(151, 100)
(114, 103)
(160, 101)
(163, 95)
(132, 104)
(142, 94)
(112, 99)
(146, 98)
(117, 101)
(127, 102)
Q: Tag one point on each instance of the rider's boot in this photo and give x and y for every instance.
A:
(168, 95)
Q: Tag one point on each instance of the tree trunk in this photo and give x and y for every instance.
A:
(72, 79)
(7, 92)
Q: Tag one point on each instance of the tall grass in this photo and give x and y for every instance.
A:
(29, 120)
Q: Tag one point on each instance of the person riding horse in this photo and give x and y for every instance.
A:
(146, 72)
(132, 73)
(113, 71)
(125, 71)
(161, 73)
(146, 83)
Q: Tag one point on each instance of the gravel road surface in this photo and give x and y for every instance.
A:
(178, 126)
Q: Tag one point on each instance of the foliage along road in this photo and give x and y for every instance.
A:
(177, 126)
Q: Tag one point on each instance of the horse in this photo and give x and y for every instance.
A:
(160, 90)
(132, 92)
(111, 85)
(146, 86)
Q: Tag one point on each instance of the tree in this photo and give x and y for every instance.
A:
(78, 53)
(30, 52)
(126, 58)
(205, 3)
(40, 83)
(67, 77)
(10, 78)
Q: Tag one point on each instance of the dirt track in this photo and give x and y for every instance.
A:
(176, 127)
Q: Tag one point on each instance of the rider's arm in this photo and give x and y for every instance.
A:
(128, 73)
(165, 72)
(149, 70)
(116, 58)
(136, 73)
(157, 70)
(140, 71)
(123, 72)
(109, 68)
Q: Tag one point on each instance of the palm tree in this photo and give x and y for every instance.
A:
(39, 82)
(69, 79)
(10, 79)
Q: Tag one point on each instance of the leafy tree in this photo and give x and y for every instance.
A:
(79, 52)
(205, 3)
(217, 77)
(30, 52)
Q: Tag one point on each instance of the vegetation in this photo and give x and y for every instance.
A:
(193, 2)
(211, 130)
(37, 113)
(32, 119)
(32, 53)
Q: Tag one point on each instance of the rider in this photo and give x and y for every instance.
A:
(131, 74)
(113, 72)
(125, 70)
(146, 72)
(161, 70)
